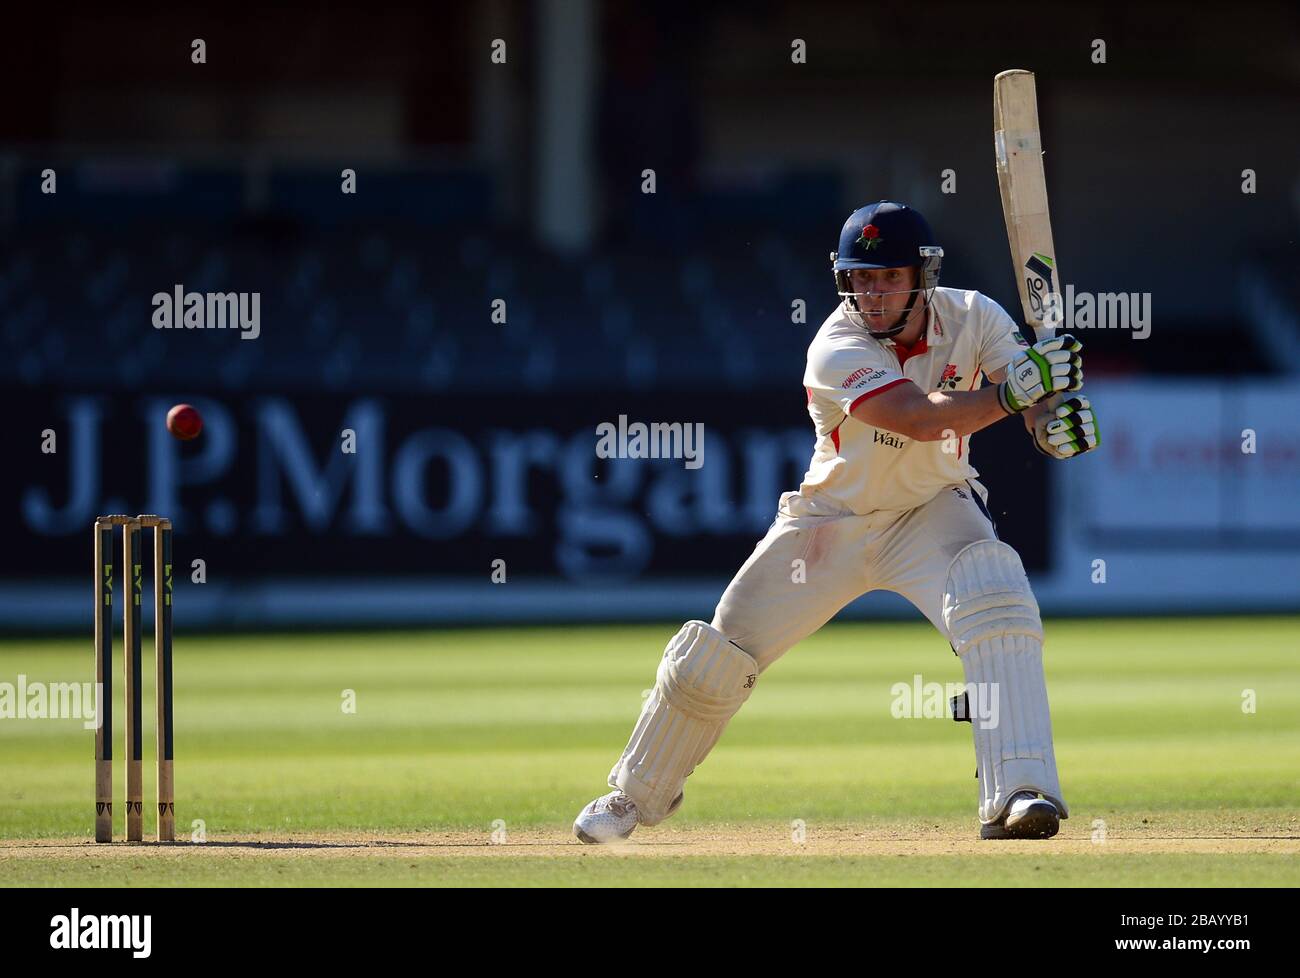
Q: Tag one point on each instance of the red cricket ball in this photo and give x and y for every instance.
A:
(184, 422)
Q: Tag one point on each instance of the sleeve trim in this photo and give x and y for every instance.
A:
(878, 390)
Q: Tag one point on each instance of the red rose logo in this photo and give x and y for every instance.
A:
(869, 238)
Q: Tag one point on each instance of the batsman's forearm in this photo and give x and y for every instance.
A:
(958, 414)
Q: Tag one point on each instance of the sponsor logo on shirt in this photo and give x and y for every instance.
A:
(863, 375)
(889, 438)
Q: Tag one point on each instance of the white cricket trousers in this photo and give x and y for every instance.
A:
(813, 561)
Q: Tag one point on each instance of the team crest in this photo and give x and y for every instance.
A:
(869, 238)
(949, 380)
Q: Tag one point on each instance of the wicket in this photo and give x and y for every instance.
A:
(132, 594)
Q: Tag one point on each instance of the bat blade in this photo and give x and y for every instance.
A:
(1022, 183)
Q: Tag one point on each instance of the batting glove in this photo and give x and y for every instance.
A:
(1069, 430)
(1045, 368)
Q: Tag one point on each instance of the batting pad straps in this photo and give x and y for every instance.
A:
(703, 679)
(993, 624)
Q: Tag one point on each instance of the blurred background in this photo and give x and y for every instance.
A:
(500, 152)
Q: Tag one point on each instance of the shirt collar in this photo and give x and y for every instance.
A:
(936, 333)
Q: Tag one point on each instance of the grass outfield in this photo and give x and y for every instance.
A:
(460, 734)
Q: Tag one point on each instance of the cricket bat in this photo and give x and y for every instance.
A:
(1023, 185)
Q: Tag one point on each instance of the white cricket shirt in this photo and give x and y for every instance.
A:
(860, 468)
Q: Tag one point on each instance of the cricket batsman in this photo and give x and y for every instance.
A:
(890, 500)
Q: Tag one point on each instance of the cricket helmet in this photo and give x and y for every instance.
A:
(885, 234)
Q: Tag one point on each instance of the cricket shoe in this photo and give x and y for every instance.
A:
(610, 818)
(1027, 817)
